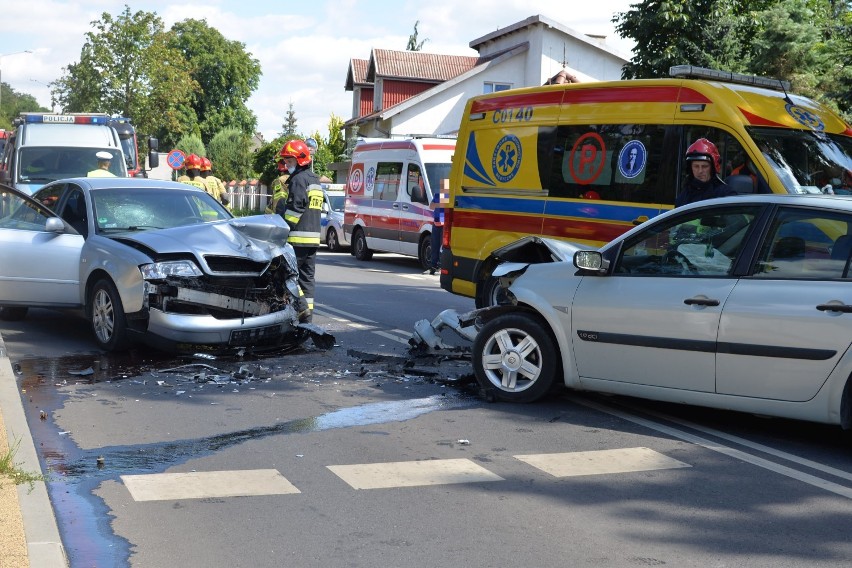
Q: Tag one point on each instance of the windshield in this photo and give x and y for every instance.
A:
(807, 161)
(128, 145)
(336, 202)
(134, 209)
(42, 164)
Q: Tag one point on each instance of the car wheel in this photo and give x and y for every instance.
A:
(13, 313)
(331, 241)
(515, 358)
(425, 251)
(359, 246)
(487, 293)
(107, 317)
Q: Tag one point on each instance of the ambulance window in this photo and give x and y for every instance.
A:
(731, 152)
(388, 176)
(614, 162)
(416, 184)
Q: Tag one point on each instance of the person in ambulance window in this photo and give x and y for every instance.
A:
(703, 181)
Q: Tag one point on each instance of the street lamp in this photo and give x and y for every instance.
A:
(52, 105)
(2, 55)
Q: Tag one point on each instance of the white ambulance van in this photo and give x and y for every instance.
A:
(388, 191)
(45, 147)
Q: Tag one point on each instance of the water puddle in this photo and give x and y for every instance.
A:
(83, 517)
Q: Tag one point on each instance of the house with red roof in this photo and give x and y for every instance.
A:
(412, 93)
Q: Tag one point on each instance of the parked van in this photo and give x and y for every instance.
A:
(388, 191)
(586, 162)
(45, 147)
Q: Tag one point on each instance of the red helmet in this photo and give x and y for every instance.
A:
(296, 149)
(704, 151)
(193, 162)
(206, 165)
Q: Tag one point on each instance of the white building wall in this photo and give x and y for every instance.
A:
(440, 113)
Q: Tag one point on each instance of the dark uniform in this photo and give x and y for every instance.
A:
(302, 210)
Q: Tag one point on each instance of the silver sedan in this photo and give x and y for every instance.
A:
(150, 260)
(742, 303)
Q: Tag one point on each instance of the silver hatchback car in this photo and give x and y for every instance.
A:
(151, 260)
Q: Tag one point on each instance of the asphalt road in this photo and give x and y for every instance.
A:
(366, 456)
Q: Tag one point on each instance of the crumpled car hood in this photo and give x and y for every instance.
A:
(258, 237)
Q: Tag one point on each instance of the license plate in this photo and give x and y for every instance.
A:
(254, 335)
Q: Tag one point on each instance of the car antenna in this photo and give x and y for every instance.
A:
(786, 95)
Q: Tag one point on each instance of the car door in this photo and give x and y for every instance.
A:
(38, 267)
(653, 320)
(785, 327)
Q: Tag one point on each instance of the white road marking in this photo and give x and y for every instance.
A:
(599, 462)
(348, 320)
(759, 447)
(734, 453)
(201, 485)
(412, 473)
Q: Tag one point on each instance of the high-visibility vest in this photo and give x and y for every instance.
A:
(99, 173)
(280, 190)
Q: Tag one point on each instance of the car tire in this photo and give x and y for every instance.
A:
(107, 317)
(359, 246)
(515, 358)
(425, 251)
(331, 241)
(486, 295)
(9, 313)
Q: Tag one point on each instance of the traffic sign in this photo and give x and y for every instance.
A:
(175, 159)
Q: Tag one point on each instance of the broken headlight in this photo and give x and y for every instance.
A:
(161, 270)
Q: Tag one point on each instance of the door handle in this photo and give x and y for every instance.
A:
(701, 301)
(843, 308)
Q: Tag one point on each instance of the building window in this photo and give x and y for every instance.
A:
(495, 87)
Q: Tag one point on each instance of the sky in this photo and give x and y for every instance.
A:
(304, 48)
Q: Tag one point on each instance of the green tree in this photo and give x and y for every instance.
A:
(288, 129)
(790, 45)
(264, 161)
(13, 103)
(191, 144)
(336, 139)
(230, 152)
(225, 73)
(126, 68)
(668, 33)
(413, 44)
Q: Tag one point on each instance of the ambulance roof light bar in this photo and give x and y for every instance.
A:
(693, 72)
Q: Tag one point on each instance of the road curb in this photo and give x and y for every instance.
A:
(44, 546)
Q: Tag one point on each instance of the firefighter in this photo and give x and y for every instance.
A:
(214, 184)
(193, 173)
(279, 186)
(104, 159)
(302, 209)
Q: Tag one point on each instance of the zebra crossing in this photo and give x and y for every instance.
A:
(387, 475)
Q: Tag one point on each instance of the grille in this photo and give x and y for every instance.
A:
(226, 264)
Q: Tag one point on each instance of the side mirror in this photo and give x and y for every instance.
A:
(54, 225)
(591, 261)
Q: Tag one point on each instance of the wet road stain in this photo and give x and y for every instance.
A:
(74, 474)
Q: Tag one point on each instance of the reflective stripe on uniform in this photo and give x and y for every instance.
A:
(304, 238)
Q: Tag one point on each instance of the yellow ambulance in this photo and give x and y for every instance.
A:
(586, 162)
